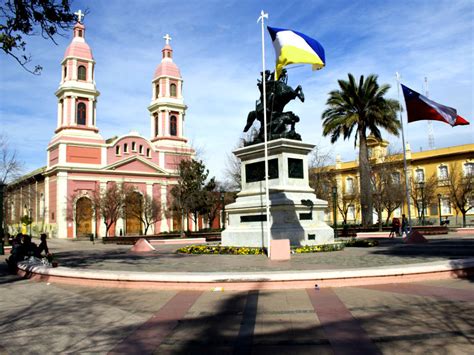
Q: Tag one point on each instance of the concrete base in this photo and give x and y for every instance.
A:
(295, 212)
(142, 246)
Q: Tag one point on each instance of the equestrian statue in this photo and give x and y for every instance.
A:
(278, 95)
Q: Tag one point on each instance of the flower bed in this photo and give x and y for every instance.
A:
(318, 248)
(219, 249)
(361, 243)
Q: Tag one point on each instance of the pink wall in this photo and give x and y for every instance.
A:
(53, 156)
(85, 155)
(136, 166)
(112, 157)
(52, 199)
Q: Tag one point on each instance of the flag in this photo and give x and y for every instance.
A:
(420, 108)
(293, 47)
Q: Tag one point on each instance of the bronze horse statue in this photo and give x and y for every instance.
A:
(278, 95)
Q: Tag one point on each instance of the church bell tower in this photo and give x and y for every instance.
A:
(167, 108)
(77, 93)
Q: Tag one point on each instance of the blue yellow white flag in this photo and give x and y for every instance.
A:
(293, 47)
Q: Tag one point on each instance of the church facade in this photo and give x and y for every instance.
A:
(80, 162)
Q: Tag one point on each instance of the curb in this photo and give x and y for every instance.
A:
(251, 280)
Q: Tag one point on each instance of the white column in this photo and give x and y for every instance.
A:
(167, 87)
(60, 111)
(89, 72)
(152, 125)
(167, 123)
(94, 105)
(74, 69)
(72, 119)
(90, 113)
(180, 124)
(61, 204)
(153, 91)
(160, 123)
(64, 113)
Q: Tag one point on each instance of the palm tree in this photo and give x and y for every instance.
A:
(363, 108)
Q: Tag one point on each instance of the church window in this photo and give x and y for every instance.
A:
(157, 91)
(81, 113)
(140, 149)
(148, 152)
(125, 148)
(65, 72)
(173, 124)
(117, 150)
(173, 90)
(81, 72)
(156, 124)
(134, 147)
(79, 33)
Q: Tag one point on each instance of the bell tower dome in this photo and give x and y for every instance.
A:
(167, 108)
(77, 93)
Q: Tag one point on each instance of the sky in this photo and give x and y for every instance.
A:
(217, 46)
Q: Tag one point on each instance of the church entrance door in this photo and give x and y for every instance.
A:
(83, 217)
(133, 212)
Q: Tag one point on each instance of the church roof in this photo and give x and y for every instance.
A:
(78, 47)
(167, 67)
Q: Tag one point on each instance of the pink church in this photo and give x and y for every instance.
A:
(80, 160)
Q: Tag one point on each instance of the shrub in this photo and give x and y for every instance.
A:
(361, 243)
(219, 249)
(318, 248)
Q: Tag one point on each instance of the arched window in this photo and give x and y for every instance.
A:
(443, 172)
(81, 72)
(157, 91)
(156, 124)
(419, 175)
(81, 113)
(65, 72)
(117, 150)
(173, 90)
(173, 128)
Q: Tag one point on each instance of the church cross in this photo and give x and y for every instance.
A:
(79, 15)
(167, 38)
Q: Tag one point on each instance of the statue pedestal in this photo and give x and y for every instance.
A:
(295, 212)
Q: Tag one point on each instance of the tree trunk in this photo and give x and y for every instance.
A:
(379, 214)
(365, 184)
(463, 219)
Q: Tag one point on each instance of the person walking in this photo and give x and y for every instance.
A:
(404, 226)
(395, 228)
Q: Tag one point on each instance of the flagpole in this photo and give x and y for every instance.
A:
(407, 188)
(262, 18)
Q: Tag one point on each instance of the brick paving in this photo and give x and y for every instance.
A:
(417, 318)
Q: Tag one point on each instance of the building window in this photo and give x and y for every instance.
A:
(134, 147)
(79, 33)
(173, 90)
(443, 172)
(65, 72)
(148, 152)
(445, 206)
(349, 185)
(140, 149)
(351, 212)
(469, 169)
(173, 124)
(81, 114)
(396, 178)
(156, 124)
(157, 91)
(81, 72)
(117, 150)
(420, 175)
(125, 148)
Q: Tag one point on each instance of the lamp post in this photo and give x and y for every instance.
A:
(422, 188)
(439, 208)
(334, 209)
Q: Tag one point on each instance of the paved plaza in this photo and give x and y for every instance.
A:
(423, 317)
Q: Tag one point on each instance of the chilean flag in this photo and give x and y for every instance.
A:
(420, 108)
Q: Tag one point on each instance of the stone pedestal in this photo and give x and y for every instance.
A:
(295, 212)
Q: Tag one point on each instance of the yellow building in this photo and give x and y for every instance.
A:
(428, 175)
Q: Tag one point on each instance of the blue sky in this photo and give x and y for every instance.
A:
(217, 47)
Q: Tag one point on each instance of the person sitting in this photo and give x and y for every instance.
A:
(395, 228)
(29, 248)
(42, 247)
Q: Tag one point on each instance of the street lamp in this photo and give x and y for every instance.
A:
(334, 209)
(421, 184)
(439, 208)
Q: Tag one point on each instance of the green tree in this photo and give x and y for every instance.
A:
(361, 107)
(461, 189)
(21, 18)
(190, 196)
